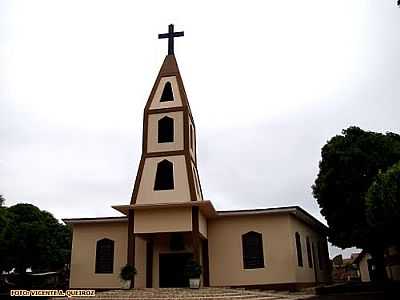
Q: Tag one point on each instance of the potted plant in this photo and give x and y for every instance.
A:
(192, 272)
(126, 275)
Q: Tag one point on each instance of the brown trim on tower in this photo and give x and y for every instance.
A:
(206, 270)
(189, 169)
(164, 153)
(149, 263)
(145, 132)
(198, 179)
(196, 234)
(152, 93)
(137, 181)
(165, 110)
(131, 242)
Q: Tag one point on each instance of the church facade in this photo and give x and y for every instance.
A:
(168, 221)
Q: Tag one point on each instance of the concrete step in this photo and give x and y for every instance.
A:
(188, 294)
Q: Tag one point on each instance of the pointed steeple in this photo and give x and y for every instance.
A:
(168, 167)
(169, 68)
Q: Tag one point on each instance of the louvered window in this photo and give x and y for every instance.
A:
(253, 256)
(104, 256)
(299, 252)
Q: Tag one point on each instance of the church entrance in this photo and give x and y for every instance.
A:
(172, 269)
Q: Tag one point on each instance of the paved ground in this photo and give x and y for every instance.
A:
(201, 294)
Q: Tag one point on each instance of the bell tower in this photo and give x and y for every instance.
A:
(168, 166)
(167, 202)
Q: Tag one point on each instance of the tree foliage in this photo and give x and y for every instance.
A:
(33, 238)
(3, 225)
(383, 206)
(348, 167)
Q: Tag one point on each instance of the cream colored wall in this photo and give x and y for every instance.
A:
(225, 250)
(305, 273)
(156, 104)
(140, 262)
(83, 256)
(163, 220)
(364, 273)
(180, 193)
(203, 225)
(152, 133)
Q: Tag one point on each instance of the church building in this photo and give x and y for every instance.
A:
(168, 221)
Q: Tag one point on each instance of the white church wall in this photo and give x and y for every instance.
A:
(83, 256)
(163, 220)
(203, 225)
(140, 262)
(306, 274)
(226, 257)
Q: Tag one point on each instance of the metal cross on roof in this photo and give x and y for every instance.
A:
(170, 36)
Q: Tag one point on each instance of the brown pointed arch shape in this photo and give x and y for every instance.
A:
(167, 94)
(164, 176)
(166, 130)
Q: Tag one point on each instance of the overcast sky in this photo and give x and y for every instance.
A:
(269, 82)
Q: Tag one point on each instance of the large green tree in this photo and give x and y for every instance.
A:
(383, 206)
(34, 238)
(349, 165)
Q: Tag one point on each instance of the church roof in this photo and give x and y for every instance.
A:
(207, 209)
(95, 220)
(296, 211)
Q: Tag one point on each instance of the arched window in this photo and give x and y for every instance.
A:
(309, 255)
(299, 252)
(167, 94)
(253, 255)
(166, 130)
(164, 176)
(104, 256)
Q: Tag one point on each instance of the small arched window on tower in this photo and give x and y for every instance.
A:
(167, 94)
(104, 256)
(309, 255)
(252, 246)
(166, 130)
(299, 252)
(164, 176)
